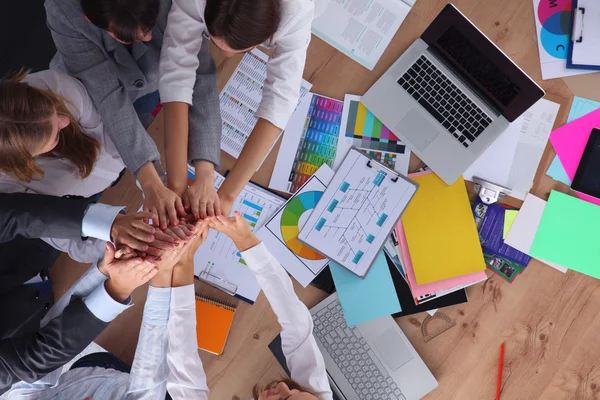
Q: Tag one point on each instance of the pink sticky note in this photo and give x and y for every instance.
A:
(569, 142)
(421, 290)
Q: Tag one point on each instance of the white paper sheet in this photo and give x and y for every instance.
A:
(280, 233)
(241, 97)
(512, 166)
(356, 213)
(218, 260)
(523, 230)
(361, 29)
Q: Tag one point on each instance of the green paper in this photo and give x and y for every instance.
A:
(568, 234)
(509, 218)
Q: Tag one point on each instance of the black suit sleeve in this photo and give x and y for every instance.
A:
(35, 216)
(30, 357)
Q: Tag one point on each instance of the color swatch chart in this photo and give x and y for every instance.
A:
(218, 256)
(367, 131)
(318, 144)
(240, 99)
(357, 212)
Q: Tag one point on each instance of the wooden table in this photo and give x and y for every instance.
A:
(549, 320)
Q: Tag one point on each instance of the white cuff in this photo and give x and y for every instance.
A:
(170, 93)
(257, 257)
(98, 221)
(183, 296)
(104, 307)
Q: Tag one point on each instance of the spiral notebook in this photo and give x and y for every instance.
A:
(213, 321)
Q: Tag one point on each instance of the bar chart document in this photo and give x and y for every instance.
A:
(240, 99)
(218, 261)
(357, 212)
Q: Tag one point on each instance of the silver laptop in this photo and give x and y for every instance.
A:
(370, 361)
(451, 94)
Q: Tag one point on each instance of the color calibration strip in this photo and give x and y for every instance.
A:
(368, 132)
(318, 144)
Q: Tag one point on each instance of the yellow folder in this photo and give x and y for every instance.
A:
(440, 230)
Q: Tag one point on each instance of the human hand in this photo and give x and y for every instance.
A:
(201, 196)
(182, 232)
(132, 231)
(164, 203)
(226, 204)
(126, 274)
(237, 228)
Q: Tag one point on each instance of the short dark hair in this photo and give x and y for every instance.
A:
(123, 18)
(242, 23)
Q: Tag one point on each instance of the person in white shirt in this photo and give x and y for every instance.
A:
(234, 26)
(166, 358)
(53, 142)
(303, 357)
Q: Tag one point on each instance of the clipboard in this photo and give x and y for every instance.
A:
(357, 212)
(209, 276)
(585, 34)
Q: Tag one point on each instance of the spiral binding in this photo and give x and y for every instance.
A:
(215, 302)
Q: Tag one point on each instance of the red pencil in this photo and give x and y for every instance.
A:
(500, 364)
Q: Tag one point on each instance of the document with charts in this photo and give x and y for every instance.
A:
(357, 212)
(218, 262)
(240, 99)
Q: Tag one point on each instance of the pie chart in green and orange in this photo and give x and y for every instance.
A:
(290, 219)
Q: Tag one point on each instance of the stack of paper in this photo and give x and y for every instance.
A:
(440, 230)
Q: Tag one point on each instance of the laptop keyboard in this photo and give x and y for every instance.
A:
(444, 101)
(353, 356)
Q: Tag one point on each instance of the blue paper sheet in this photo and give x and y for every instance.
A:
(579, 108)
(366, 299)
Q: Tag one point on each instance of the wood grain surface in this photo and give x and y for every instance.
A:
(548, 320)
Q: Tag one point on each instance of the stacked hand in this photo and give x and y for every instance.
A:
(125, 274)
(237, 228)
(132, 232)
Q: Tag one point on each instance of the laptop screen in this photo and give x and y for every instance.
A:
(474, 57)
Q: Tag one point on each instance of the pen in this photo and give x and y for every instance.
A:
(500, 364)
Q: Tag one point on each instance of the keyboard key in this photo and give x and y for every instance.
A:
(465, 144)
(434, 113)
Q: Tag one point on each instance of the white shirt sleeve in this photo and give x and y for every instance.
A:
(89, 281)
(187, 379)
(98, 220)
(284, 69)
(148, 377)
(104, 307)
(179, 54)
(304, 359)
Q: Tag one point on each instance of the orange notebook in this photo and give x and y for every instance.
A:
(213, 321)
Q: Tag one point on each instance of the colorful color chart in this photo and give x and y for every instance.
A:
(289, 223)
(318, 144)
(367, 132)
(387, 159)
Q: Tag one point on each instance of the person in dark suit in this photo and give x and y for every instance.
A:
(98, 297)
(25, 217)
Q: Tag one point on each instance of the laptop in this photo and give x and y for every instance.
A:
(369, 361)
(451, 94)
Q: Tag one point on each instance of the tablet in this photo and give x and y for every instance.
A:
(587, 176)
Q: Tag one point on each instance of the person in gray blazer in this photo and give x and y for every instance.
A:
(113, 47)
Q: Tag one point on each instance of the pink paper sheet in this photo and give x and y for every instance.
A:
(569, 142)
(421, 290)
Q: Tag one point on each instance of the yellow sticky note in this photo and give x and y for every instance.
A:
(509, 218)
(440, 230)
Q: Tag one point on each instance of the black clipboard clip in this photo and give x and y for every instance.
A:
(394, 174)
(578, 17)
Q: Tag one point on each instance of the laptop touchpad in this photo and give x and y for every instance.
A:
(392, 348)
(418, 129)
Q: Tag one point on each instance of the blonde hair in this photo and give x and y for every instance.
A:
(26, 126)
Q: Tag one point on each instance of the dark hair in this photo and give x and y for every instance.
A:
(292, 384)
(242, 23)
(123, 18)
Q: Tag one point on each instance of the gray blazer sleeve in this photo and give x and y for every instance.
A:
(87, 62)
(205, 114)
(29, 358)
(35, 216)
